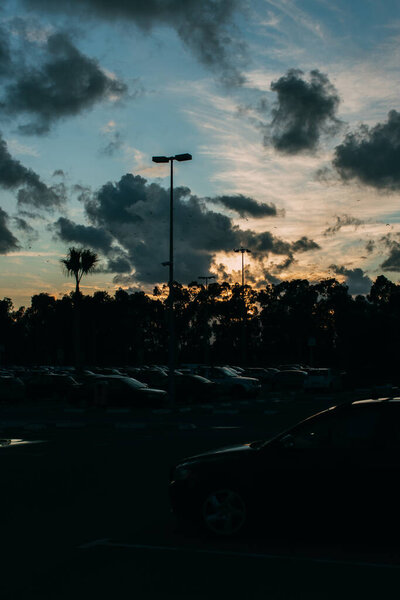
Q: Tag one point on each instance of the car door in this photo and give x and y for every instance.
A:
(372, 434)
(302, 471)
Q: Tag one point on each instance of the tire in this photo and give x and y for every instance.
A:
(224, 512)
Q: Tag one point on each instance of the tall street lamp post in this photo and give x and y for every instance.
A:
(244, 311)
(171, 348)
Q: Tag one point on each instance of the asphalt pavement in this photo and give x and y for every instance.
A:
(86, 514)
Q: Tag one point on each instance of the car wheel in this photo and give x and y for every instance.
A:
(224, 512)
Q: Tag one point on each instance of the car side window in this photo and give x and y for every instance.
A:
(315, 433)
(353, 429)
(358, 429)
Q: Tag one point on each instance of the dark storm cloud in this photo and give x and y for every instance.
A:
(5, 54)
(28, 232)
(262, 244)
(206, 28)
(8, 242)
(31, 190)
(65, 85)
(356, 279)
(342, 221)
(304, 244)
(247, 207)
(23, 225)
(372, 155)
(120, 264)
(86, 235)
(392, 263)
(304, 111)
(285, 264)
(136, 214)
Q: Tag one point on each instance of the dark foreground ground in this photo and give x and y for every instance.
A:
(85, 513)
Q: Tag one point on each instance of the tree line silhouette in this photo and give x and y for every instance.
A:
(361, 332)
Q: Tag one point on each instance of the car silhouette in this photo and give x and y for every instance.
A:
(335, 471)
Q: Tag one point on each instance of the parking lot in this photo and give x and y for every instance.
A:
(87, 512)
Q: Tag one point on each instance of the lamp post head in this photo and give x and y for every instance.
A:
(160, 159)
(165, 159)
(242, 250)
(181, 157)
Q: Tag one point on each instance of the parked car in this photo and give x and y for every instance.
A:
(117, 390)
(337, 470)
(229, 382)
(289, 380)
(192, 388)
(155, 378)
(43, 385)
(323, 379)
(265, 376)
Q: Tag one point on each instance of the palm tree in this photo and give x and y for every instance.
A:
(79, 262)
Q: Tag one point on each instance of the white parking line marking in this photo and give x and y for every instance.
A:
(107, 543)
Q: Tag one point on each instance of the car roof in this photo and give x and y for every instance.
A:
(390, 399)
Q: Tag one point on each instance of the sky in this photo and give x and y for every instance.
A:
(290, 110)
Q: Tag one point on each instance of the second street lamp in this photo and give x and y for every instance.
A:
(244, 310)
(171, 352)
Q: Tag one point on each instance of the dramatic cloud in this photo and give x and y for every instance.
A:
(136, 215)
(119, 264)
(304, 244)
(304, 111)
(65, 85)
(93, 237)
(342, 221)
(27, 230)
(372, 155)
(31, 190)
(356, 280)
(392, 263)
(5, 54)
(262, 244)
(8, 242)
(247, 207)
(206, 28)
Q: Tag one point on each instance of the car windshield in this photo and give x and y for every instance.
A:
(229, 372)
(134, 383)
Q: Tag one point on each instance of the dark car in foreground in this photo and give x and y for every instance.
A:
(337, 471)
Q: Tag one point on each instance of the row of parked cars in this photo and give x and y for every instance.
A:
(149, 385)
